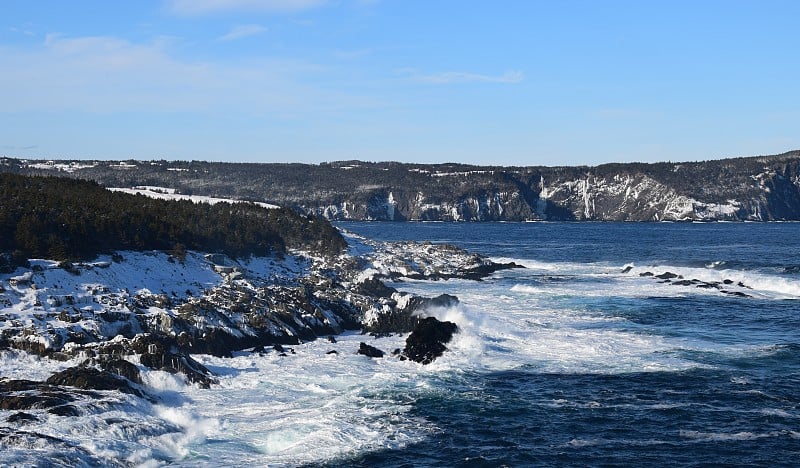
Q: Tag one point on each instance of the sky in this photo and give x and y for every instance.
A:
(528, 82)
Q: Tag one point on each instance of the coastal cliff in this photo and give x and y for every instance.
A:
(763, 188)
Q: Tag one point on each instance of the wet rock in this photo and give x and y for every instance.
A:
(27, 394)
(369, 351)
(333, 351)
(427, 341)
(646, 273)
(65, 410)
(122, 368)
(21, 417)
(403, 320)
(737, 294)
(161, 352)
(486, 269)
(668, 275)
(175, 363)
(89, 378)
(627, 269)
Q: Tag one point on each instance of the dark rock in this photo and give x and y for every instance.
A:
(27, 394)
(258, 349)
(331, 339)
(161, 352)
(482, 271)
(179, 363)
(682, 283)
(727, 281)
(369, 351)
(627, 269)
(667, 275)
(333, 351)
(278, 348)
(375, 288)
(65, 410)
(737, 293)
(21, 417)
(122, 368)
(646, 273)
(89, 378)
(427, 341)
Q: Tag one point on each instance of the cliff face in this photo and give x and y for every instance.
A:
(763, 188)
(747, 189)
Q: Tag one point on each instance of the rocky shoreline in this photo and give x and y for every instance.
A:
(108, 318)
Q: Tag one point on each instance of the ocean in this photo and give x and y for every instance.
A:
(573, 362)
(618, 344)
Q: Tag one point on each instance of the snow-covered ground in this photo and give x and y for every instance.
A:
(164, 193)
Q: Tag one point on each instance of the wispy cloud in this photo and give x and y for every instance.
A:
(204, 7)
(243, 30)
(105, 75)
(18, 148)
(452, 77)
(24, 31)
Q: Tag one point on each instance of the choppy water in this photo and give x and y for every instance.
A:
(572, 362)
(567, 362)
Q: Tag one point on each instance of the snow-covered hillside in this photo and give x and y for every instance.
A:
(763, 188)
(163, 193)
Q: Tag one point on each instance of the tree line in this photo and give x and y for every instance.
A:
(68, 219)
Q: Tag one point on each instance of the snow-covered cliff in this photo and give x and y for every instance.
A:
(763, 188)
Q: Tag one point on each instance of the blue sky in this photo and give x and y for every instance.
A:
(504, 82)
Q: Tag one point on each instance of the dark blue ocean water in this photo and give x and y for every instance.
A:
(579, 362)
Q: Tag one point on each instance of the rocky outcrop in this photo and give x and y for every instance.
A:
(83, 310)
(427, 341)
(369, 351)
(90, 378)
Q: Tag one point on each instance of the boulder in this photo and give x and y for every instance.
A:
(668, 275)
(427, 341)
(369, 351)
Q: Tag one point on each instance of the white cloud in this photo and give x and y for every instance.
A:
(451, 77)
(243, 30)
(204, 7)
(102, 74)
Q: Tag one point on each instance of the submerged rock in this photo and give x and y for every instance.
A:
(427, 341)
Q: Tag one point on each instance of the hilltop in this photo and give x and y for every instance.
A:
(762, 188)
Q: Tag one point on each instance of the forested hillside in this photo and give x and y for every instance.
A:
(65, 219)
(763, 188)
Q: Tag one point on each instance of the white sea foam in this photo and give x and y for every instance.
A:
(311, 406)
(757, 284)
